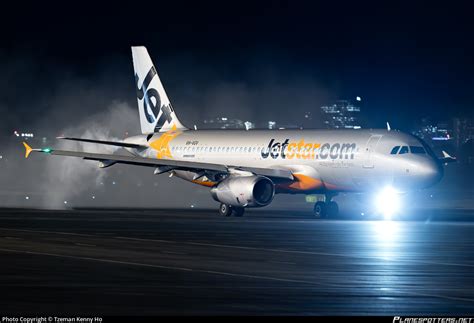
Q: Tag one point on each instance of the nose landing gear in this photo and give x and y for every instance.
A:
(320, 209)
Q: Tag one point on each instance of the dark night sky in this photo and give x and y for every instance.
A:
(406, 60)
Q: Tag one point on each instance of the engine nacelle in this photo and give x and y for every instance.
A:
(241, 191)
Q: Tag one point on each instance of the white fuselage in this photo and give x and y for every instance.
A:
(321, 160)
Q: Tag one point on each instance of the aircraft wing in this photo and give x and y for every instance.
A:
(152, 162)
(104, 142)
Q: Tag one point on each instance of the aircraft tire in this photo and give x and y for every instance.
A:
(225, 210)
(320, 210)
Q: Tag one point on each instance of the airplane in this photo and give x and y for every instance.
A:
(246, 169)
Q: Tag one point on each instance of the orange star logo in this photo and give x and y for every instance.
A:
(161, 145)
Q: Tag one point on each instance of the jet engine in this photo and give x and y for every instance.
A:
(244, 191)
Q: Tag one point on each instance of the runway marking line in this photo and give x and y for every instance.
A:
(156, 240)
(174, 253)
(321, 253)
(157, 266)
(220, 273)
(255, 248)
(282, 262)
(85, 244)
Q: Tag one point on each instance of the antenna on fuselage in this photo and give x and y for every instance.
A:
(388, 126)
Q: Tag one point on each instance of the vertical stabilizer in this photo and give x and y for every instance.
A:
(156, 112)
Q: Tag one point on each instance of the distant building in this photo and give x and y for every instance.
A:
(272, 125)
(282, 126)
(432, 132)
(340, 114)
(455, 135)
(224, 123)
(463, 130)
(249, 125)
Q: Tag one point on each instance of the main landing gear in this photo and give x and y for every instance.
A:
(325, 209)
(228, 210)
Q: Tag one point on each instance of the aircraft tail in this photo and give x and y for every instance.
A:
(156, 112)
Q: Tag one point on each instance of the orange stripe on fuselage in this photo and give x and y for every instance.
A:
(204, 183)
(332, 187)
(305, 183)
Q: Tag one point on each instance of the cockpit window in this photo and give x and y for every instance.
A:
(417, 150)
(404, 150)
(395, 150)
(427, 148)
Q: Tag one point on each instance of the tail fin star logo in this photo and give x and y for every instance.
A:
(161, 145)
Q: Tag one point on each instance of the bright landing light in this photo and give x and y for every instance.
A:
(387, 202)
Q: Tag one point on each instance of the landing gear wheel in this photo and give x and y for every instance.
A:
(225, 210)
(320, 209)
(238, 211)
(332, 209)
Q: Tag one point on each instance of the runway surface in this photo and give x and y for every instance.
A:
(149, 262)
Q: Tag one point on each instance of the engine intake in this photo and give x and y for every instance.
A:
(248, 191)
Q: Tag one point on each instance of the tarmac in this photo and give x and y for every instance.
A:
(194, 262)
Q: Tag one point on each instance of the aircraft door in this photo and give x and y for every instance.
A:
(369, 149)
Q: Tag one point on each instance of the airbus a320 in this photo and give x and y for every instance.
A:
(245, 169)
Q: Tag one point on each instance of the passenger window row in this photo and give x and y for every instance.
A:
(200, 149)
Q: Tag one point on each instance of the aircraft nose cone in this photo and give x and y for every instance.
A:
(430, 172)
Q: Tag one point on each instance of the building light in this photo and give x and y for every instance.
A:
(341, 114)
(249, 125)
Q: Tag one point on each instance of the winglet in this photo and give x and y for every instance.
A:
(28, 149)
(448, 156)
